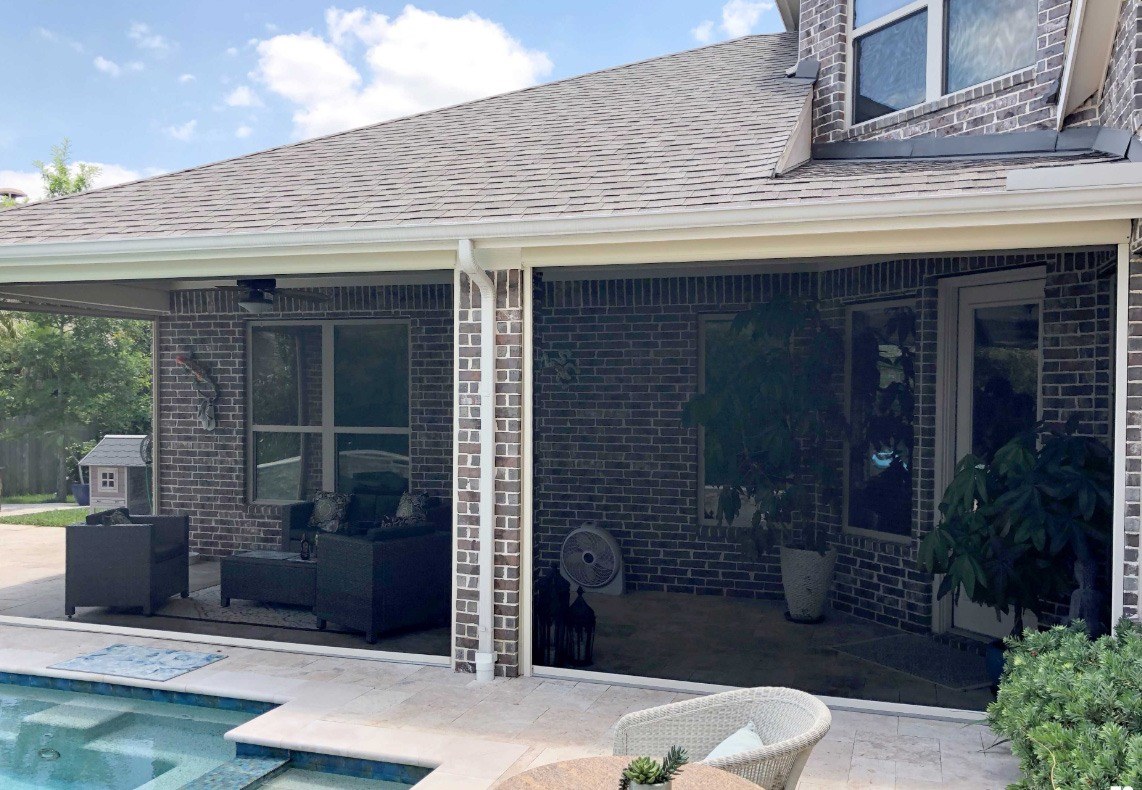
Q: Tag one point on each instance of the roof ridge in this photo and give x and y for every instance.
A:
(403, 118)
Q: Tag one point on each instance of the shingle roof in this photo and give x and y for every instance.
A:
(699, 129)
(115, 450)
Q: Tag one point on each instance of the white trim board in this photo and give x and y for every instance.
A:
(324, 651)
(426, 247)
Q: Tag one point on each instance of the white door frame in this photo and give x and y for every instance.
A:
(947, 375)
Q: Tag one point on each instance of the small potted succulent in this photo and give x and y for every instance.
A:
(646, 772)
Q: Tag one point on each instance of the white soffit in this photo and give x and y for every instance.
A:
(1090, 39)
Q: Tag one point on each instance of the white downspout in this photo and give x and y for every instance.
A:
(485, 652)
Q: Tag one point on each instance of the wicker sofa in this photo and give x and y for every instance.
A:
(789, 722)
(139, 564)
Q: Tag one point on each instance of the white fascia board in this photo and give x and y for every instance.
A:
(799, 147)
(1090, 41)
(426, 247)
(790, 11)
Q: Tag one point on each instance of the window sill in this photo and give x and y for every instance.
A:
(974, 93)
(883, 537)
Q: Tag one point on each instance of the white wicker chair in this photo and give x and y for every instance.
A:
(790, 722)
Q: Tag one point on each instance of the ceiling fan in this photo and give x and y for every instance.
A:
(257, 295)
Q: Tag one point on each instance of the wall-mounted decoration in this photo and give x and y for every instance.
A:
(205, 387)
(562, 363)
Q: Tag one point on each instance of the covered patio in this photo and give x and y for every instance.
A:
(943, 355)
(345, 387)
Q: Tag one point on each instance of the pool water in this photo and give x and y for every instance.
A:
(66, 740)
(61, 740)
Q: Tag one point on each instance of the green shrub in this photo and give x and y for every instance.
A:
(1072, 708)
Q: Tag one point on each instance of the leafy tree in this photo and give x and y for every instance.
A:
(67, 378)
(61, 177)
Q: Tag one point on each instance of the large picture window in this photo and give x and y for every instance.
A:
(882, 383)
(329, 406)
(907, 52)
(720, 348)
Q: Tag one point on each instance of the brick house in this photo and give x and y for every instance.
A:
(975, 164)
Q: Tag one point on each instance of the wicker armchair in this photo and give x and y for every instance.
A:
(790, 722)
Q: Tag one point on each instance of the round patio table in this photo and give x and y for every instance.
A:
(603, 773)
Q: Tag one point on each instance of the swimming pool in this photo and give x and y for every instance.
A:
(68, 740)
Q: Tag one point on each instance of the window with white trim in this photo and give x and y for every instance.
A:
(108, 480)
(907, 52)
(328, 406)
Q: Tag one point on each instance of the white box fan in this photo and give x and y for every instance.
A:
(590, 558)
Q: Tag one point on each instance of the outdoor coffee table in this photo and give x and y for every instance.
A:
(602, 773)
(269, 576)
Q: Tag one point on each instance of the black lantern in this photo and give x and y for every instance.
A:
(579, 638)
(552, 597)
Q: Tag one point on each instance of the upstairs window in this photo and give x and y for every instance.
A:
(908, 52)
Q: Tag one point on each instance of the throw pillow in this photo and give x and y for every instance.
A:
(412, 507)
(118, 517)
(329, 511)
(744, 740)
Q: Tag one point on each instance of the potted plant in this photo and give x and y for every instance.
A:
(767, 420)
(1029, 527)
(80, 488)
(646, 772)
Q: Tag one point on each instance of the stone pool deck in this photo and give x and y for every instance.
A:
(476, 734)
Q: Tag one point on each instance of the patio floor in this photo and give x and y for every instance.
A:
(746, 642)
(482, 733)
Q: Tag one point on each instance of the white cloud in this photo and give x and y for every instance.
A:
(232, 51)
(185, 78)
(113, 69)
(416, 61)
(704, 32)
(739, 18)
(183, 131)
(243, 132)
(56, 38)
(29, 181)
(145, 38)
(107, 66)
(242, 96)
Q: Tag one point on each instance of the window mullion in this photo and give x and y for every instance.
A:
(328, 436)
(935, 49)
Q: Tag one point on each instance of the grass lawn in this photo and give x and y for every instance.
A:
(49, 518)
(31, 499)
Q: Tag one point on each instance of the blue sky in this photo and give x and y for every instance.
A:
(142, 87)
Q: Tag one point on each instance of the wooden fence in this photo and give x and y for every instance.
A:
(29, 465)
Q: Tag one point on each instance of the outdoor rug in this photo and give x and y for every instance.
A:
(140, 663)
(206, 604)
(925, 658)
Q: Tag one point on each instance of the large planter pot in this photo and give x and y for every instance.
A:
(661, 786)
(82, 493)
(807, 576)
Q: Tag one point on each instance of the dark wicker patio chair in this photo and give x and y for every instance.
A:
(140, 564)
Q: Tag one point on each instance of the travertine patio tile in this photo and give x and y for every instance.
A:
(871, 773)
(900, 748)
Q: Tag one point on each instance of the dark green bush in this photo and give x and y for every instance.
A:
(1072, 707)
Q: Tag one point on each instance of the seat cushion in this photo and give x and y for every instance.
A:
(744, 740)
